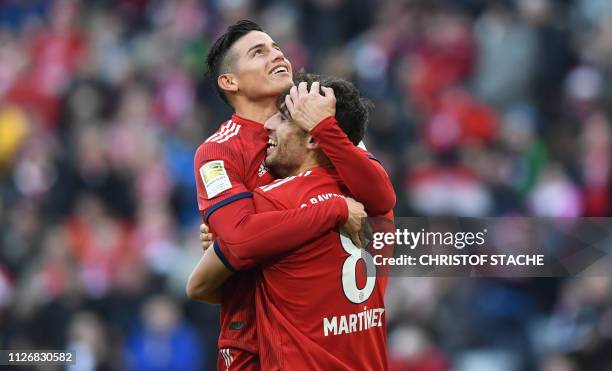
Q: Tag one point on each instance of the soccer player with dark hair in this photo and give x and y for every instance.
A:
(314, 303)
(316, 309)
(250, 71)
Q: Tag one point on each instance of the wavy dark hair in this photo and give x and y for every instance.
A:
(352, 109)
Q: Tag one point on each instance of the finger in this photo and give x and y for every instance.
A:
(289, 104)
(293, 91)
(328, 92)
(203, 228)
(314, 88)
(205, 237)
(356, 240)
(294, 94)
(302, 88)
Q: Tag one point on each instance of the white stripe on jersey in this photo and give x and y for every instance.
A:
(226, 357)
(277, 183)
(280, 182)
(227, 131)
(231, 357)
(220, 132)
(232, 134)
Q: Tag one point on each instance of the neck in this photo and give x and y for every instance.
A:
(258, 111)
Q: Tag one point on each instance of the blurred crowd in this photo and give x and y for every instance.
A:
(483, 108)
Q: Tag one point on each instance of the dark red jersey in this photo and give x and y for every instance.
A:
(317, 309)
(228, 166)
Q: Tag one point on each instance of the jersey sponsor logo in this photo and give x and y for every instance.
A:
(215, 178)
(262, 170)
(354, 322)
(227, 131)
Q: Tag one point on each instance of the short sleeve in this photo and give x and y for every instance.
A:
(219, 174)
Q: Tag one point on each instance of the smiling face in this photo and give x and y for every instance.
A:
(260, 69)
(287, 147)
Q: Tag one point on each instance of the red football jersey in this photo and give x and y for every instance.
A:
(228, 166)
(316, 307)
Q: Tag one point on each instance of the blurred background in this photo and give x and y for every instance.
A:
(483, 108)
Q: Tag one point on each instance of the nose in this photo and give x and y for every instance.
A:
(277, 55)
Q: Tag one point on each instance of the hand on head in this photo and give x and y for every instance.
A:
(308, 108)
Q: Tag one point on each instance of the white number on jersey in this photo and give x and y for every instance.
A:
(349, 274)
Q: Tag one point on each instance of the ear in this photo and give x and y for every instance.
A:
(311, 143)
(227, 82)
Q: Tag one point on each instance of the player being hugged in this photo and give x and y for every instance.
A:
(250, 71)
(316, 309)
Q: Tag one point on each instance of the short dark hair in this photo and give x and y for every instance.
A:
(218, 61)
(352, 109)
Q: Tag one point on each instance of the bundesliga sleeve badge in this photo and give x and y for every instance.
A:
(215, 178)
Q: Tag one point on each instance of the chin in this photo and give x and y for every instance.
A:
(288, 82)
(269, 162)
(284, 83)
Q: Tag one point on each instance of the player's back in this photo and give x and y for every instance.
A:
(316, 308)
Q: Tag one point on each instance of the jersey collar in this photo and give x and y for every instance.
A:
(323, 170)
(246, 122)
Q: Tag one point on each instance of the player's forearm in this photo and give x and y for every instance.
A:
(366, 179)
(205, 281)
(248, 239)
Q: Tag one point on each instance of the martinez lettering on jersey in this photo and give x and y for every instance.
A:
(354, 322)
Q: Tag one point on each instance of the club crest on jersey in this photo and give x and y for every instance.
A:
(215, 178)
(262, 170)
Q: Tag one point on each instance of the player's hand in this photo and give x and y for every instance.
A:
(308, 108)
(205, 237)
(353, 223)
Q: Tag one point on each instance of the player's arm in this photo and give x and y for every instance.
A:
(246, 239)
(205, 281)
(207, 277)
(213, 268)
(230, 212)
(285, 229)
(363, 175)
